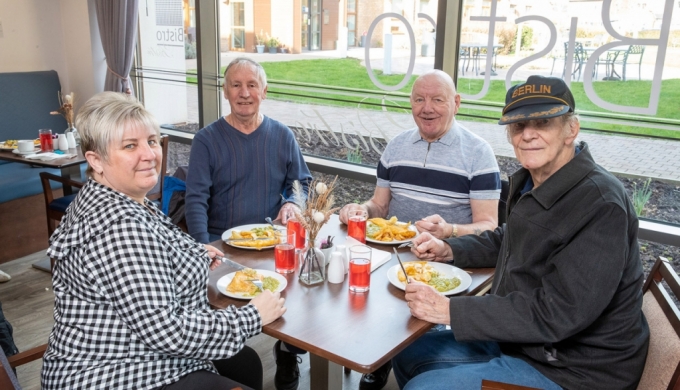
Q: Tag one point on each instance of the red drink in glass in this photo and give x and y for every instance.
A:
(359, 268)
(294, 226)
(356, 228)
(46, 144)
(359, 275)
(284, 258)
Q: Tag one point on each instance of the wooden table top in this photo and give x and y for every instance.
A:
(355, 330)
(7, 155)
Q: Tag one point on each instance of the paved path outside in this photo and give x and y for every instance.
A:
(629, 156)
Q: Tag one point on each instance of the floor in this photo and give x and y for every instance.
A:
(27, 301)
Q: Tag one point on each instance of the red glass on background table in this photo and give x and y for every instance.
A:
(284, 254)
(356, 225)
(359, 268)
(294, 226)
(46, 144)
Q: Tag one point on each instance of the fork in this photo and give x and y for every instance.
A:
(406, 245)
(256, 282)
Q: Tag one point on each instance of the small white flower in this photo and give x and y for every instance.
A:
(321, 188)
(319, 217)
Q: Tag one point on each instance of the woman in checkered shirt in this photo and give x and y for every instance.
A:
(131, 308)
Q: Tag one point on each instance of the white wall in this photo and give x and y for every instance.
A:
(54, 35)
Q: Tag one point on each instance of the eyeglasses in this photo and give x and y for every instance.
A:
(537, 124)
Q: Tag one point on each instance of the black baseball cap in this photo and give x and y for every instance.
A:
(540, 97)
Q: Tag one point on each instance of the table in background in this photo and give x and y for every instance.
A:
(473, 52)
(611, 56)
(70, 167)
(337, 327)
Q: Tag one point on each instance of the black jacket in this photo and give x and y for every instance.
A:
(566, 295)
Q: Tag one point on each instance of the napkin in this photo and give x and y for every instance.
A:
(378, 257)
(48, 156)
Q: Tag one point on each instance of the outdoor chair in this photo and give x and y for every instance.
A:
(662, 368)
(630, 54)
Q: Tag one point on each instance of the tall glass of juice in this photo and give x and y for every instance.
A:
(294, 226)
(46, 144)
(356, 225)
(284, 254)
(359, 268)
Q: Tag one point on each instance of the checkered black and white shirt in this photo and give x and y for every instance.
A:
(131, 308)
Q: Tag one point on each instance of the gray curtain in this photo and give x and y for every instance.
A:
(118, 29)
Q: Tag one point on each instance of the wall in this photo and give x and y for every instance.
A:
(329, 27)
(45, 35)
(367, 11)
(282, 21)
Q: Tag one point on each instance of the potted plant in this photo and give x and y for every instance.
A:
(273, 44)
(283, 48)
(259, 39)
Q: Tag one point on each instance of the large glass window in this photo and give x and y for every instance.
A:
(238, 32)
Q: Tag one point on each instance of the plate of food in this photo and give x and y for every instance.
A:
(240, 284)
(12, 144)
(255, 236)
(389, 231)
(445, 278)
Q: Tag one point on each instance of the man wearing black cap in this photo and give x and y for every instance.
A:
(564, 310)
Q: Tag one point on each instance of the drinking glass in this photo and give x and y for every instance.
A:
(359, 268)
(356, 225)
(46, 144)
(284, 254)
(294, 226)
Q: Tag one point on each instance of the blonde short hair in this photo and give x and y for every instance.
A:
(102, 120)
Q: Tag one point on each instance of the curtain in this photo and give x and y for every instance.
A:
(118, 29)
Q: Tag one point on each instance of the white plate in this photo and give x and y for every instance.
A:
(16, 151)
(446, 270)
(412, 228)
(224, 281)
(227, 235)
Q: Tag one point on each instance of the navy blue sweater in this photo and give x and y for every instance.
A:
(236, 179)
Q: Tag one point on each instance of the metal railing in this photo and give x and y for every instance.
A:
(655, 231)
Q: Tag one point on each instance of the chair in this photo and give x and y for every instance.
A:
(503, 202)
(8, 379)
(662, 368)
(633, 50)
(580, 59)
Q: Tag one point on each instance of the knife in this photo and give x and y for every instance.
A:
(401, 264)
(248, 239)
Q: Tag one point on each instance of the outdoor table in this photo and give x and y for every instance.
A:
(610, 60)
(70, 167)
(360, 331)
(474, 52)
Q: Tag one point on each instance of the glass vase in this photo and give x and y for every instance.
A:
(72, 129)
(312, 265)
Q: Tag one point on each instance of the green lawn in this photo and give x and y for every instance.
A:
(353, 86)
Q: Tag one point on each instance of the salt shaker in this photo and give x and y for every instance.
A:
(71, 140)
(63, 143)
(345, 260)
(336, 271)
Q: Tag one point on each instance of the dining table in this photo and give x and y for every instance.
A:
(611, 56)
(69, 166)
(339, 328)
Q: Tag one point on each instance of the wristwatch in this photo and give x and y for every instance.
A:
(454, 230)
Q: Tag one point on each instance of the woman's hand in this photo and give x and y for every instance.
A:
(212, 254)
(427, 304)
(429, 248)
(270, 306)
(435, 225)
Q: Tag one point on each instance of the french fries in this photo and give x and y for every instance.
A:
(387, 230)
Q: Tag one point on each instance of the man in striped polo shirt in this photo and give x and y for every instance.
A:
(439, 175)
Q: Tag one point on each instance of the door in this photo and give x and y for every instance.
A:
(311, 25)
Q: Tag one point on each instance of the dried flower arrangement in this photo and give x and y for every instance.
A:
(314, 213)
(66, 107)
(318, 208)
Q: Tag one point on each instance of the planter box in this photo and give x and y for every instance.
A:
(272, 50)
(260, 48)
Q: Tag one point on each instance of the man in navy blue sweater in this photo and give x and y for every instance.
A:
(242, 166)
(241, 170)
